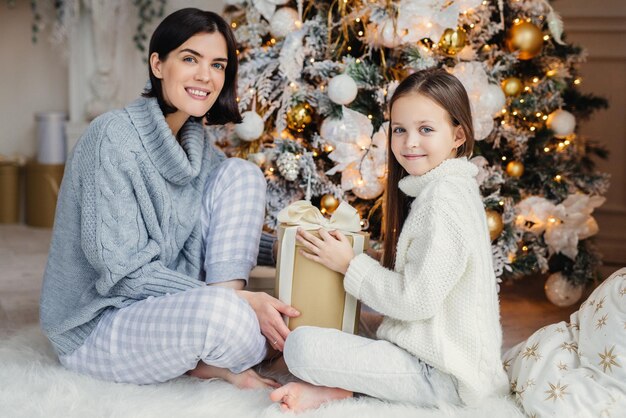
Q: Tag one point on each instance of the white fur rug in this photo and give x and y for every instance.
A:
(33, 384)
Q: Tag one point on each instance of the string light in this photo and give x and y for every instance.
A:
(503, 158)
(546, 149)
(503, 111)
(515, 113)
(358, 61)
(538, 114)
(524, 248)
(558, 178)
(544, 117)
(526, 88)
(370, 117)
(535, 80)
(521, 100)
(546, 37)
(328, 148)
(577, 81)
(552, 219)
(502, 123)
(532, 128)
(567, 142)
(360, 33)
(358, 19)
(551, 73)
(501, 203)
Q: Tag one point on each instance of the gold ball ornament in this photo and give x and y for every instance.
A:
(515, 169)
(452, 41)
(561, 292)
(299, 116)
(329, 203)
(512, 86)
(494, 224)
(525, 38)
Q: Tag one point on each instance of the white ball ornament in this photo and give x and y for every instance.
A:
(561, 122)
(493, 97)
(342, 89)
(334, 131)
(251, 128)
(387, 34)
(284, 21)
(561, 292)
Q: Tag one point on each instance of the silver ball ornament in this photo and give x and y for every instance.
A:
(251, 127)
(561, 292)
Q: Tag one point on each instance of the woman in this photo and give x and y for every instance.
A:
(156, 232)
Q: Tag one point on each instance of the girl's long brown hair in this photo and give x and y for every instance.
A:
(447, 91)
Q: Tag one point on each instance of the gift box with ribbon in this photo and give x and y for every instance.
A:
(313, 289)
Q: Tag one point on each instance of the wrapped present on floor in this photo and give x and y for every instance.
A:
(313, 289)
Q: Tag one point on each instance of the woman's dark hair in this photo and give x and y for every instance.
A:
(447, 91)
(175, 30)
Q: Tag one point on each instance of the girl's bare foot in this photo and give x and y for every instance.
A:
(247, 379)
(300, 396)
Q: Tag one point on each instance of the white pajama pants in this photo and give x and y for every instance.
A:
(377, 368)
(160, 338)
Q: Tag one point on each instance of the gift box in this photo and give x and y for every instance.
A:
(9, 192)
(313, 289)
(42, 188)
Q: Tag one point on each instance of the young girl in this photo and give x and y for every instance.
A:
(440, 338)
(156, 232)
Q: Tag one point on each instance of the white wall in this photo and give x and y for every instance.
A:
(35, 77)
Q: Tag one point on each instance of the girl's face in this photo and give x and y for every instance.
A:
(192, 75)
(422, 136)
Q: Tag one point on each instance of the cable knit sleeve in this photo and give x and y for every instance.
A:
(119, 231)
(436, 258)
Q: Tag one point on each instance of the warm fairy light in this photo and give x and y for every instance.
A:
(557, 177)
(363, 148)
(271, 169)
(561, 144)
(484, 2)
(328, 148)
(577, 81)
(273, 41)
(358, 61)
(521, 100)
(358, 19)
(349, 48)
(526, 88)
(532, 129)
(237, 52)
(298, 24)
(472, 25)
(234, 25)
(292, 85)
(312, 60)
(524, 248)
(360, 33)
(515, 113)
(501, 203)
(322, 87)
(551, 73)
(297, 156)
(528, 20)
(237, 99)
(516, 21)
(552, 219)
(429, 25)
(315, 154)
(546, 149)
(546, 37)
(524, 118)
(503, 111)
(323, 210)
(370, 117)
(385, 92)
(251, 91)
(503, 158)
(538, 114)
(535, 80)
(544, 117)
(360, 182)
(502, 123)
(567, 142)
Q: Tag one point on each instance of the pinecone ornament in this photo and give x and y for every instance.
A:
(288, 166)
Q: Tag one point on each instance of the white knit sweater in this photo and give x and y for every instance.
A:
(440, 302)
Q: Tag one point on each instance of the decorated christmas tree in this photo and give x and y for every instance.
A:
(314, 81)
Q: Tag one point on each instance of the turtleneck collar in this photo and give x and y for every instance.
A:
(413, 185)
(177, 163)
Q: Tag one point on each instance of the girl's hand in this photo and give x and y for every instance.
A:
(332, 249)
(268, 311)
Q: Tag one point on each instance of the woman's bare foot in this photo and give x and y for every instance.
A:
(247, 379)
(300, 396)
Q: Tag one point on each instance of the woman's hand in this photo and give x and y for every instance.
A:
(268, 311)
(332, 249)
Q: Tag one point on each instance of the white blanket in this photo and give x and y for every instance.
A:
(576, 369)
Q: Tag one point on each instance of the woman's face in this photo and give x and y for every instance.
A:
(422, 136)
(192, 75)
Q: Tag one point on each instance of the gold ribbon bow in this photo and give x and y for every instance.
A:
(303, 213)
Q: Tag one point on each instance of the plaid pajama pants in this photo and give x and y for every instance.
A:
(160, 338)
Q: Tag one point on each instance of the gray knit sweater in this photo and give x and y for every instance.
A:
(127, 220)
